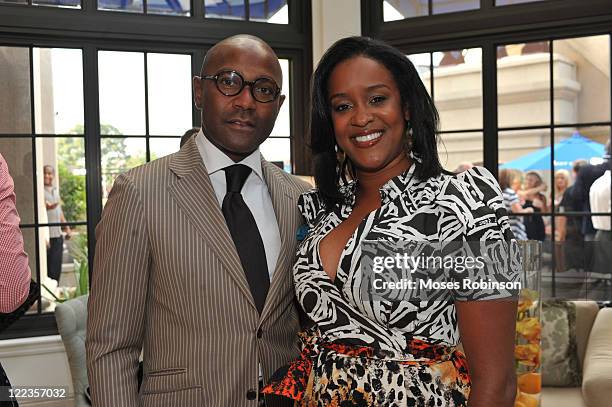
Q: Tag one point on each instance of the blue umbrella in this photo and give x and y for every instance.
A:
(566, 152)
(258, 9)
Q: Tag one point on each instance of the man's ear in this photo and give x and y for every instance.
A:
(281, 99)
(197, 92)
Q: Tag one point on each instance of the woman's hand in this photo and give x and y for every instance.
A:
(487, 333)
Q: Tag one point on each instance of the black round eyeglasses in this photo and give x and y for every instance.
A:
(231, 83)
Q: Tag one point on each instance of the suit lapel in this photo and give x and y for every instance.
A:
(194, 194)
(284, 205)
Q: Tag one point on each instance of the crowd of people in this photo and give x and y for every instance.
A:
(586, 189)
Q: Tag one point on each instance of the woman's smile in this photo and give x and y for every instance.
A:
(367, 138)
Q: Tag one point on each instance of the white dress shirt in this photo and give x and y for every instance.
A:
(254, 192)
(599, 197)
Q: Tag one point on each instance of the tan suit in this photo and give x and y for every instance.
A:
(168, 279)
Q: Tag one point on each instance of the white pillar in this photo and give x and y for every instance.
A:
(331, 21)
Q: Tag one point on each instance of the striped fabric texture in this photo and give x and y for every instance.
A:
(168, 280)
(14, 270)
(516, 223)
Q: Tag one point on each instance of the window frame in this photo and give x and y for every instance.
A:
(487, 28)
(93, 30)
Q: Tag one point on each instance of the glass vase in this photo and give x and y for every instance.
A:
(528, 350)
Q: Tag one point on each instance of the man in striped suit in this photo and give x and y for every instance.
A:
(194, 254)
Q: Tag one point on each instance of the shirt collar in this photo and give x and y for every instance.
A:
(216, 160)
(388, 192)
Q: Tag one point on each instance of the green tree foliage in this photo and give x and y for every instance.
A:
(74, 198)
(71, 173)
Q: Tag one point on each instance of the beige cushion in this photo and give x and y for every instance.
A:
(71, 317)
(586, 311)
(560, 364)
(562, 397)
(597, 376)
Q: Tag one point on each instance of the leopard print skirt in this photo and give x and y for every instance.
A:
(331, 374)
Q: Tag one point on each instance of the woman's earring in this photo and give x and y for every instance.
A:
(409, 136)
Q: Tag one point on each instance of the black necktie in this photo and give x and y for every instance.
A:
(242, 227)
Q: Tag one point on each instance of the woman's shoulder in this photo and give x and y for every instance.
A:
(470, 190)
(311, 205)
(480, 183)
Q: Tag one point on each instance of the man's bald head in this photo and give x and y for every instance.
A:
(237, 43)
(238, 123)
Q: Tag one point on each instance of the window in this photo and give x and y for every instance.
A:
(269, 11)
(43, 142)
(85, 106)
(402, 9)
(456, 79)
(51, 3)
(533, 105)
(174, 7)
(511, 2)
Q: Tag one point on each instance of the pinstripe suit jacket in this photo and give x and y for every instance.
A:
(168, 280)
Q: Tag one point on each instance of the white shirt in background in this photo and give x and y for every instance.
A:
(599, 197)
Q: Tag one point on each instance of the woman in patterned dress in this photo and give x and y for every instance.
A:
(374, 134)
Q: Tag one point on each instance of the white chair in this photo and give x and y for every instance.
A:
(71, 317)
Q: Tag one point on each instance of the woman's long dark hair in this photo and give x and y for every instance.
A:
(423, 114)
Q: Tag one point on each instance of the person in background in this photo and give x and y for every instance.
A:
(535, 199)
(599, 196)
(507, 178)
(585, 178)
(464, 166)
(188, 134)
(15, 272)
(562, 183)
(517, 181)
(53, 203)
(568, 234)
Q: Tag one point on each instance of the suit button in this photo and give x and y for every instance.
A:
(259, 333)
(251, 394)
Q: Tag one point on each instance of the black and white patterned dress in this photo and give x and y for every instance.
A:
(390, 353)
